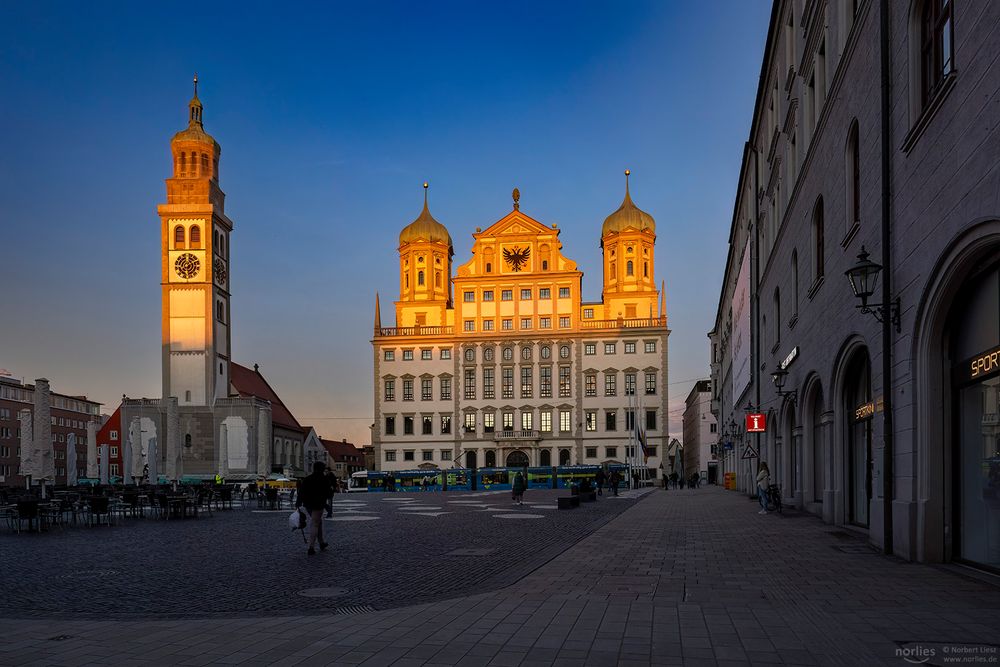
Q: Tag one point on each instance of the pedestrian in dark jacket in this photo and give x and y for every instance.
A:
(331, 482)
(519, 486)
(615, 480)
(313, 496)
(599, 480)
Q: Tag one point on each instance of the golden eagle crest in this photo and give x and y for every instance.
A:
(517, 257)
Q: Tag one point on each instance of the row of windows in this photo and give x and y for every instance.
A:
(426, 389)
(469, 296)
(527, 422)
(507, 324)
(427, 354)
(491, 455)
(189, 167)
(527, 384)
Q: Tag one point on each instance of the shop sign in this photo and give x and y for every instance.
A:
(792, 356)
(867, 410)
(985, 364)
(756, 423)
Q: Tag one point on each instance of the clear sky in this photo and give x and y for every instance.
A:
(330, 117)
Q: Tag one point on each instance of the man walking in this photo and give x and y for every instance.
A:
(599, 480)
(313, 497)
(331, 481)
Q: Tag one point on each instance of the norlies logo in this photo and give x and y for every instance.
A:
(916, 655)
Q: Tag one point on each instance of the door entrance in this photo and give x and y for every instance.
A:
(517, 459)
(859, 410)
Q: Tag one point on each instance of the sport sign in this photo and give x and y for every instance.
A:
(756, 423)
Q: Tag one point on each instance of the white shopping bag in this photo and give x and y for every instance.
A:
(297, 519)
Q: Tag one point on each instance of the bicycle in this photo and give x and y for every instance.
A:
(773, 498)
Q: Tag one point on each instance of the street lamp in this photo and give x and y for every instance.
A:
(779, 375)
(864, 277)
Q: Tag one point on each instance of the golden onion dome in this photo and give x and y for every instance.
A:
(628, 216)
(195, 130)
(425, 228)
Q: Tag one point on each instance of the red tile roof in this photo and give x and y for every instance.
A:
(338, 450)
(249, 382)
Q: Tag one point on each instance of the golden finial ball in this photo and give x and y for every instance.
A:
(425, 185)
(627, 172)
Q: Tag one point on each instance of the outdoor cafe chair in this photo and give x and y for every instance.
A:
(27, 511)
(204, 502)
(97, 507)
(273, 499)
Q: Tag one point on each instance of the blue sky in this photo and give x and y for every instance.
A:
(330, 117)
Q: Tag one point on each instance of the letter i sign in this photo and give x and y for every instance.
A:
(756, 423)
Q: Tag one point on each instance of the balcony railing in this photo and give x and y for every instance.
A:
(414, 331)
(516, 435)
(623, 323)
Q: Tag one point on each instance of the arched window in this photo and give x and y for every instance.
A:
(564, 457)
(489, 267)
(645, 269)
(178, 236)
(777, 315)
(936, 46)
(545, 265)
(437, 279)
(628, 268)
(420, 277)
(614, 272)
(187, 436)
(195, 236)
(183, 168)
(818, 233)
(795, 283)
(491, 459)
(204, 164)
(852, 163)
(406, 280)
(545, 458)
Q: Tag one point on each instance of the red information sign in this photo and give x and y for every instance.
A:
(756, 423)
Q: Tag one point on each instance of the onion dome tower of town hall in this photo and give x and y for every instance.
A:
(425, 256)
(628, 243)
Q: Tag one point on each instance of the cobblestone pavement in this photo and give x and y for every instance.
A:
(682, 577)
(388, 550)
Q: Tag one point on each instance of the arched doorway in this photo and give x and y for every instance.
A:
(517, 459)
(470, 459)
(858, 411)
(545, 458)
(816, 443)
(564, 457)
(490, 459)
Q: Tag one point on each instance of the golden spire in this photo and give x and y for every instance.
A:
(516, 194)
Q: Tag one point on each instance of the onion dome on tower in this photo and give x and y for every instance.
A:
(628, 216)
(425, 228)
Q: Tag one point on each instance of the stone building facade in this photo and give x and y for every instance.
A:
(831, 169)
(516, 369)
(700, 433)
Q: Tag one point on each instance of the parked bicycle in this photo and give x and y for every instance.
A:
(773, 498)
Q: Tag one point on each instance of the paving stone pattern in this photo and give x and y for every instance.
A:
(682, 577)
(246, 562)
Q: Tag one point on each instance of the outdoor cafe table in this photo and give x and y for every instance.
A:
(178, 506)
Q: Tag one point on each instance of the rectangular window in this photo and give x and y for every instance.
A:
(545, 419)
(445, 389)
(610, 452)
(591, 452)
(630, 384)
(650, 383)
(611, 420)
(390, 426)
(525, 294)
(609, 348)
(630, 347)
(407, 355)
(469, 297)
(564, 385)
(489, 383)
(445, 353)
(544, 322)
(427, 389)
(591, 384)
(470, 384)
(713, 428)
(564, 323)
(650, 346)
(610, 384)
(544, 293)
(445, 454)
(470, 422)
(445, 424)
(113, 469)
(426, 355)
(389, 355)
(590, 348)
(489, 421)
(629, 451)
(527, 421)
(650, 420)
(407, 425)
(507, 383)
(507, 295)
(408, 455)
(427, 425)
(629, 420)
(427, 455)
(545, 388)
(508, 421)
(525, 322)
(563, 292)
(487, 295)
(508, 324)
(565, 421)
(527, 382)
(469, 325)
(390, 390)
(487, 325)
(407, 390)
(591, 420)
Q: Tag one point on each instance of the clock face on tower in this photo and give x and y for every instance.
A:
(220, 271)
(187, 266)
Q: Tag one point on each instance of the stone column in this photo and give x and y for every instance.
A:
(92, 465)
(264, 442)
(133, 467)
(44, 454)
(223, 467)
(27, 446)
(173, 452)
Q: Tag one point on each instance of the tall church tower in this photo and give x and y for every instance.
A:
(628, 243)
(194, 247)
(425, 253)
